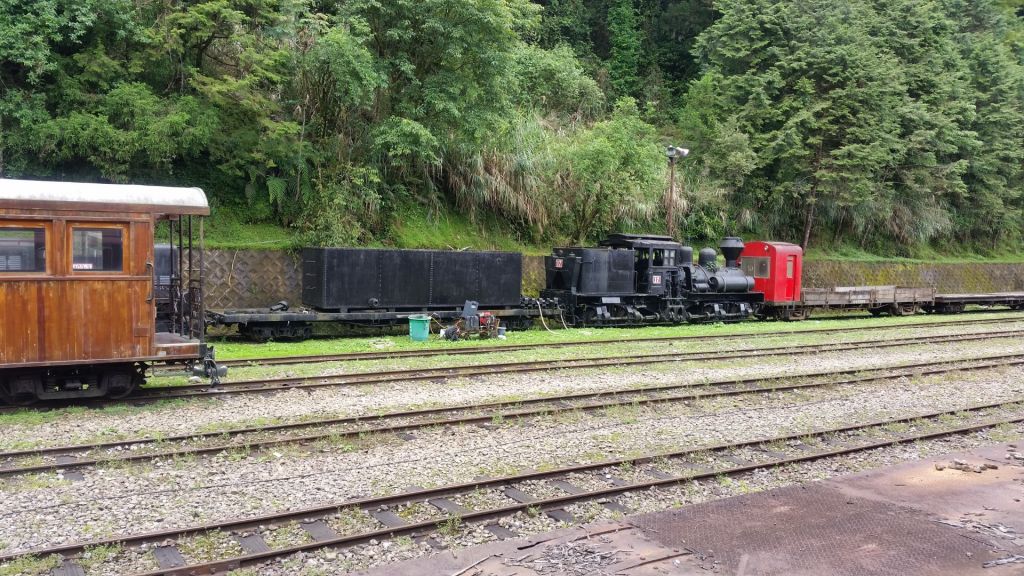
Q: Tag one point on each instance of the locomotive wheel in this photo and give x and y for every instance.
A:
(589, 316)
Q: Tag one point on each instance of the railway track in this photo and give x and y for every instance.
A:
(78, 456)
(394, 354)
(444, 373)
(330, 525)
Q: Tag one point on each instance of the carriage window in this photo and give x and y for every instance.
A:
(97, 249)
(755, 266)
(22, 250)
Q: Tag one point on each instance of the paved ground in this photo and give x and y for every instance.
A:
(908, 519)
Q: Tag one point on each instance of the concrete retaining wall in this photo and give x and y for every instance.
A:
(258, 278)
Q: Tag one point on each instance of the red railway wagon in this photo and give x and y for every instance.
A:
(77, 287)
(777, 269)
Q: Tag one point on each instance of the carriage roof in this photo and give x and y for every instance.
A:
(102, 197)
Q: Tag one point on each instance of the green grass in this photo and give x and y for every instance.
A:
(30, 565)
(417, 227)
(241, 350)
(224, 231)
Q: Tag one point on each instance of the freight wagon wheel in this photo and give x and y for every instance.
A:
(906, 310)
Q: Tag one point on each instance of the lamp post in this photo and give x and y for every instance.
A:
(673, 154)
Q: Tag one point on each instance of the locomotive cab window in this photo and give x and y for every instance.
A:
(97, 249)
(756, 266)
(664, 257)
(22, 250)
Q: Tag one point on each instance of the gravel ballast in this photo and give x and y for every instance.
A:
(44, 510)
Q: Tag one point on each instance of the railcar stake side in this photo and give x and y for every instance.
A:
(78, 289)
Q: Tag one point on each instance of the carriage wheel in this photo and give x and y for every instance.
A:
(21, 390)
(120, 383)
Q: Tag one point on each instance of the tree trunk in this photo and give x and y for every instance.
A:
(807, 225)
(812, 199)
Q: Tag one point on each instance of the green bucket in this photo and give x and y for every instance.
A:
(419, 327)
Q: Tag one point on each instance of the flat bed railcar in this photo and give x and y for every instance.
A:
(264, 324)
(895, 300)
(383, 287)
(954, 303)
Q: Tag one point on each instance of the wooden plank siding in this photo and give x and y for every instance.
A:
(65, 316)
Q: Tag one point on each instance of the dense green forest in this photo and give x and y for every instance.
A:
(886, 125)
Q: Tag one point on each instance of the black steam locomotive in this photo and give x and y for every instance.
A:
(640, 279)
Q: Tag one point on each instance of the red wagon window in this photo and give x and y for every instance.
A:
(97, 250)
(22, 250)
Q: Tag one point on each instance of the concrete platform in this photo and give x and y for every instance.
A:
(903, 520)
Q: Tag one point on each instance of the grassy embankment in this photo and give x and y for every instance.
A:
(417, 228)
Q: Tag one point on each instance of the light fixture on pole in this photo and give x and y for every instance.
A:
(673, 154)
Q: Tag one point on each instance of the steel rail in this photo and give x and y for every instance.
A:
(421, 495)
(445, 373)
(471, 412)
(395, 354)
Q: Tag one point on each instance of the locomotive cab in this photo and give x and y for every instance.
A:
(655, 261)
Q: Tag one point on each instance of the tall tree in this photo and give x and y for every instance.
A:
(818, 95)
(626, 44)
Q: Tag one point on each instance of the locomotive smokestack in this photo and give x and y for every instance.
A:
(731, 248)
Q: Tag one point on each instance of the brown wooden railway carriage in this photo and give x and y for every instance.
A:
(77, 286)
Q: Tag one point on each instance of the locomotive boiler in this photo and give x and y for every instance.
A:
(633, 279)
